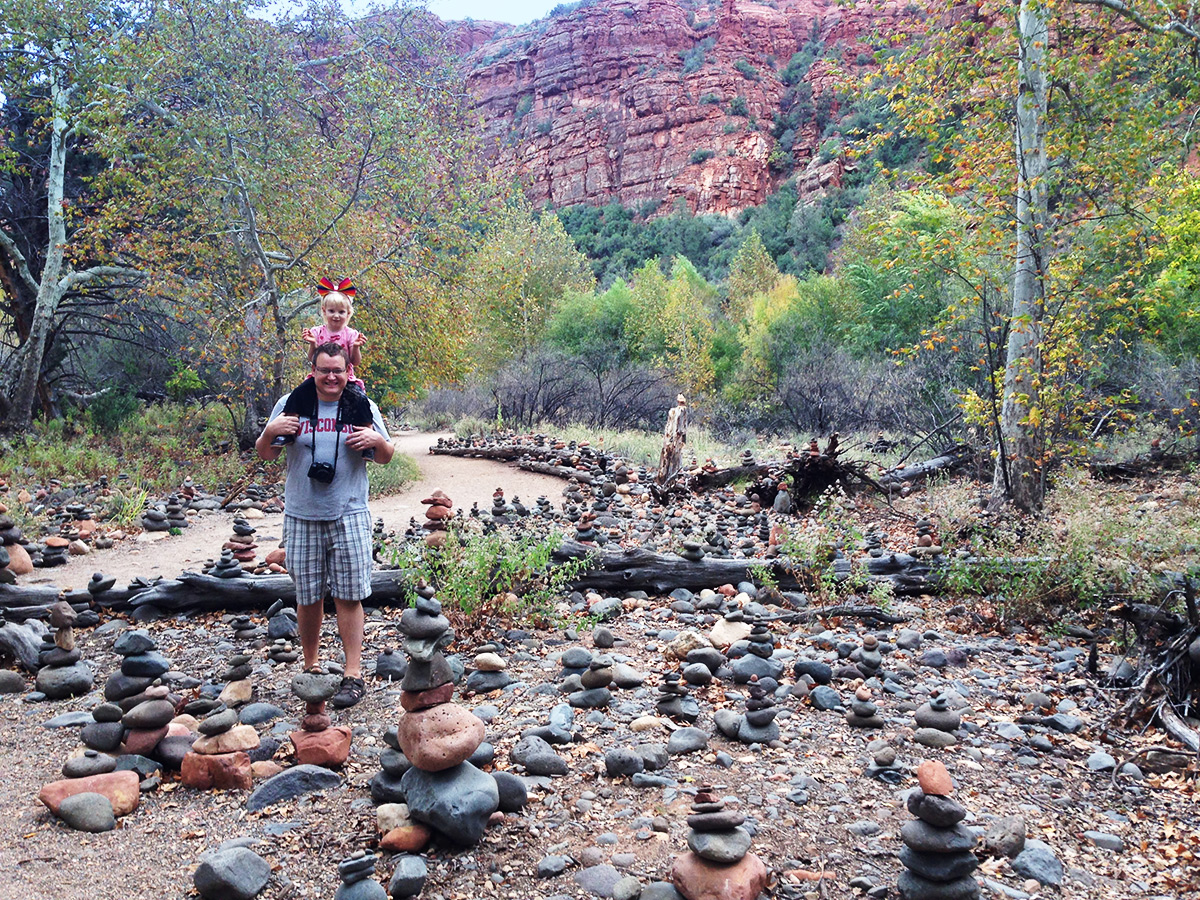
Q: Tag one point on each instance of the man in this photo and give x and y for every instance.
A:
(327, 527)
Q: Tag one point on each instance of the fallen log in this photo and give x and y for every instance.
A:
(708, 478)
(951, 460)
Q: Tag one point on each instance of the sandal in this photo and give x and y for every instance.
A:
(349, 693)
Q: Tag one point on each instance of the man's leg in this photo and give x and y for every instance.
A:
(308, 622)
(350, 628)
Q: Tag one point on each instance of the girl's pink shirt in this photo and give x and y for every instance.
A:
(345, 338)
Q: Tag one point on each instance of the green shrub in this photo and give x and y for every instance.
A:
(699, 156)
(738, 107)
(183, 383)
(111, 408)
(747, 71)
(471, 571)
(394, 477)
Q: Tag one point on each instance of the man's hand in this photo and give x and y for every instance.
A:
(367, 438)
(277, 427)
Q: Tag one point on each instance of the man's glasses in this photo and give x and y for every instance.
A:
(322, 371)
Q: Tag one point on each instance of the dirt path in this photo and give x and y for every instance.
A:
(466, 481)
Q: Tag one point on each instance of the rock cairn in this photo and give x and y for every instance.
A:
(175, 513)
(758, 725)
(693, 548)
(718, 864)
(883, 763)
(154, 519)
(281, 621)
(443, 789)
(62, 674)
(673, 700)
(226, 566)
(868, 657)
(355, 872)
(54, 550)
(754, 657)
(241, 544)
(439, 510)
(220, 757)
(863, 712)
(318, 742)
(937, 855)
(14, 558)
(937, 722)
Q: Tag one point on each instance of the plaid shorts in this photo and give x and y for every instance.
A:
(329, 557)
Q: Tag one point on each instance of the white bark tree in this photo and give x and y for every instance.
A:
(46, 58)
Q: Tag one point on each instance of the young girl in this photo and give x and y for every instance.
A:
(337, 306)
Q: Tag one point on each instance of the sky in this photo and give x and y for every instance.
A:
(514, 12)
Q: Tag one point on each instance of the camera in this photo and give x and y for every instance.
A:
(322, 472)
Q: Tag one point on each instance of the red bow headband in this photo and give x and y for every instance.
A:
(345, 286)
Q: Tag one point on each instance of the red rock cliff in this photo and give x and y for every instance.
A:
(644, 100)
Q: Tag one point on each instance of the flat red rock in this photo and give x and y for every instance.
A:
(220, 771)
(121, 789)
(699, 879)
(329, 748)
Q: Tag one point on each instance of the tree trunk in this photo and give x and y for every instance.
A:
(1019, 474)
(674, 437)
(50, 291)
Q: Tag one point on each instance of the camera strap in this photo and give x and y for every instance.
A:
(337, 430)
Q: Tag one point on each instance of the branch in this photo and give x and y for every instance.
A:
(73, 279)
(18, 258)
(1125, 11)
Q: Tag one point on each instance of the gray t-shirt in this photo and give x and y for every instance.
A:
(305, 498)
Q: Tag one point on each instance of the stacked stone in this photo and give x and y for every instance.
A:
(674, 702)
(585, 531)
(883, 763)
(489, 674)
(92, 793)
(783, 500)
(593, 680)
(318, 742)
(54, 552)
(355, 872)
(62, 673)
(281, 621)
(146, 720)
(220, 756)
(141, 664)
(14, 558)
(863, 712)
(500, 509)
(757, 663)
(544, 508)
(693, 549)
(937, 855)
(748, 458)
(927, 544)
(718, 862)
(439, 510)
(244, 630)
(937, 722)
(437, 737)
(869, 657)
(226, 566)
(282, 651)
(758, 725)
(154, 519)
(176, 517)
(241, 544)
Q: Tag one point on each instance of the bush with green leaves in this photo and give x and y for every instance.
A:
(471, 571)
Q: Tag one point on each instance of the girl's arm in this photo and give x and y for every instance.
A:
(355, 354)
